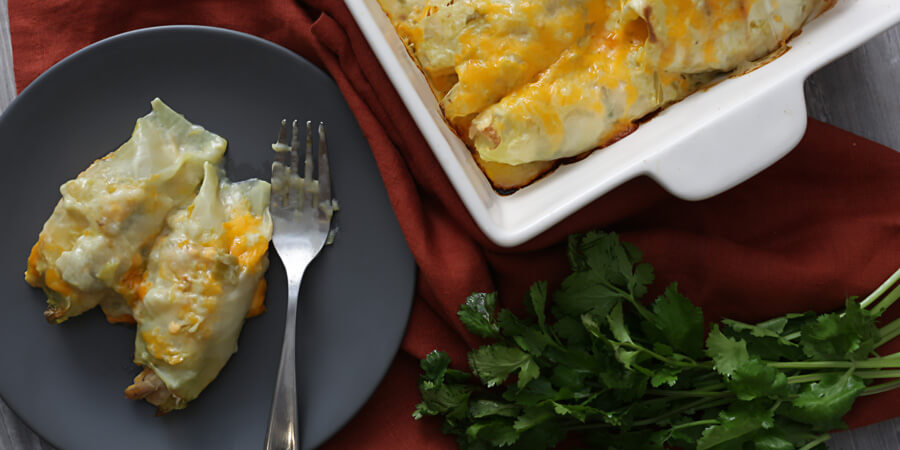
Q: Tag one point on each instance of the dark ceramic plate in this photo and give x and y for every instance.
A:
(66, 381)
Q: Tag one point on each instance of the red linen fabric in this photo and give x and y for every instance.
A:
(821, 224)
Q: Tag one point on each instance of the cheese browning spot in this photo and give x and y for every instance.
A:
(131, 285)
(121, 318)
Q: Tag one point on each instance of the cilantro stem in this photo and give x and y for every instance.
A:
(664, 359)
(864, 374)
(711, 387)
(813, 443)
(804, 378)
(654, 420)
(695, 423)
(886, 302)
(872, 363)
(767, 322)
(888, 332)
(878, 374)
(588, 426)
(879, 388)
(814, 365)
(703, 403)
(645, 313)
(694, 393)
(775, 406)
(880, 290)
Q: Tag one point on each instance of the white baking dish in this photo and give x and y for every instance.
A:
(695, 149)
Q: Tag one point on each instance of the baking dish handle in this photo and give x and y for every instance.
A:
(746, 141)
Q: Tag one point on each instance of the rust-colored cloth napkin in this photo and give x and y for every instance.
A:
(821, 224)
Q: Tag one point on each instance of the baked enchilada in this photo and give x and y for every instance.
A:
(92, 249)
(204, 276)
(532, 83)
(155, 235)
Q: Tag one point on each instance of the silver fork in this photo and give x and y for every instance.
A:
(301, 226)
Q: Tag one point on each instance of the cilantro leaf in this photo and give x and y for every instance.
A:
(495, 363)
(794, 432)
(617, 324)
(665, 376)
(823, 403)
(772, 328)
(591, 247)
(756, 379)
(765, 441)
(530, 371)
(638, 276)
(534, 416)
(534, 393)
(577, 358)
(643, 276)
(605, 271)
(592, 325)
(678, 322)
(579, 412)
(570, 330)
(477, 314)
(851, 335)
(736, 425)
(625, 384)
(767, 347)
(581, 292)
(536, 302)
(526, 336)
(436, 366)
(439, 397)
(748, 377)
(540, 437)
(451, 400)
(483, 408)
(684, 437)
(622, 441)
(499, 432)
(727, 354)
(569, 378)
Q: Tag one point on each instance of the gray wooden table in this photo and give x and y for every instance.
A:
(859, 92)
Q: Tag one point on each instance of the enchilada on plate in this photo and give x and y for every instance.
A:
(91, 250)
(140, 236)
(204, 276)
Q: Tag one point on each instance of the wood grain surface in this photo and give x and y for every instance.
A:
(7, 80)
(859, 92)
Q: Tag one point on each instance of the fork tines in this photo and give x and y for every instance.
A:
(289, 190)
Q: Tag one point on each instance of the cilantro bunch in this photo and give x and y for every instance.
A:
(598, 362)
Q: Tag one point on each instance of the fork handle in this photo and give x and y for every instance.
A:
(283, 433)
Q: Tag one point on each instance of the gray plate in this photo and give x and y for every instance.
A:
(66, 381)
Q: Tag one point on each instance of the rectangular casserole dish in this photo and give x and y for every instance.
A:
(697, 148)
